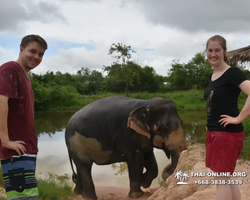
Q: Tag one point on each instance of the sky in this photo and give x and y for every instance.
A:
(79, 33)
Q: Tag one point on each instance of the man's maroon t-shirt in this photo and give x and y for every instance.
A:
(16, 85)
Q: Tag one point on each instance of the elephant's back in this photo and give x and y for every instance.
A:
(110, 106)
(106, 114)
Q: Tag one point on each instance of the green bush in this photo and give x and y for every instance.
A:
(54, 187)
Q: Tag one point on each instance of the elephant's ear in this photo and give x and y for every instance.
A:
(138, 122)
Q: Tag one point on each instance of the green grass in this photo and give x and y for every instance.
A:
(187, 100)
(184, 100)
(54, 187)
(245, 153)
(1, 178)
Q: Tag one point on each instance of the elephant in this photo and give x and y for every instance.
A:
(123, 129)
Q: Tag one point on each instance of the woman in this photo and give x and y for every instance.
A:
(225, 133)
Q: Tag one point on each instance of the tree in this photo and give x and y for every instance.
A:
(122, 76)
(95, 82)
(193, 75)
(149, 80)
(128, 71)
(123, 51)
(177, 76)
(42, 95)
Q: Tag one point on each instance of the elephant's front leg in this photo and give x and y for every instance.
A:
(151, 169)
(135, 168)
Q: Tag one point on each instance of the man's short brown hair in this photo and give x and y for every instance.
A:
(33, 38)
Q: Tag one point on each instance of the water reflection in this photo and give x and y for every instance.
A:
(53, 155)
(194, 125)
(51, 122)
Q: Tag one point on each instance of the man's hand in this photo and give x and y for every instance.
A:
(17, 146)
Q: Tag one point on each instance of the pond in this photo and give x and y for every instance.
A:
(53, 155)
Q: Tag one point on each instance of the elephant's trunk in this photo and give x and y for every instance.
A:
(169, 169)
(174, 144)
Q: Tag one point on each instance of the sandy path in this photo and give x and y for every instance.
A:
(117, 193)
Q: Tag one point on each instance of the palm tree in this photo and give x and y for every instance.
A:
(185, 176)
(178, 174)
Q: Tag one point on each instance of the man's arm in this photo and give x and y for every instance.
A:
(18, 146)
(3, 119)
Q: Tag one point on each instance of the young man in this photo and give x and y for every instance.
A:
(18, 138)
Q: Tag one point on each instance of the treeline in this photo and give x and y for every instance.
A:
(195, 74)
(55, 90)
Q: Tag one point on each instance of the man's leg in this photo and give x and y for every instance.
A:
(19, 177)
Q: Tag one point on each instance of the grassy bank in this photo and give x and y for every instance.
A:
(184, 100)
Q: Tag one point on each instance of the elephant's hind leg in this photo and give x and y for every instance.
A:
(79, 187)
(84, 181)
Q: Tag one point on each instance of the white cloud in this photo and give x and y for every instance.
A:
(171, 32)
(7, 54)
(73, 59)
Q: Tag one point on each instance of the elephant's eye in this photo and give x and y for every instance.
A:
(163, 128)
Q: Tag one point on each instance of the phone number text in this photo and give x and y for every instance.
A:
(218, 182)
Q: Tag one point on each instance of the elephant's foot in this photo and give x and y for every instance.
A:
(146, 180)
(135, 194)
(146, 184)
(87, 196)
(78, 189)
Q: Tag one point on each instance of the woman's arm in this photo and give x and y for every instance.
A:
(245, 112)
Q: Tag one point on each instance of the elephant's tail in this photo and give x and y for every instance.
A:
(74, 176)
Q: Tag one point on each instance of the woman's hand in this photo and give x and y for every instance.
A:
(226, 119)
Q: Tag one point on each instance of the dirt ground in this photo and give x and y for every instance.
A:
(191, 160)
(117, 193)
